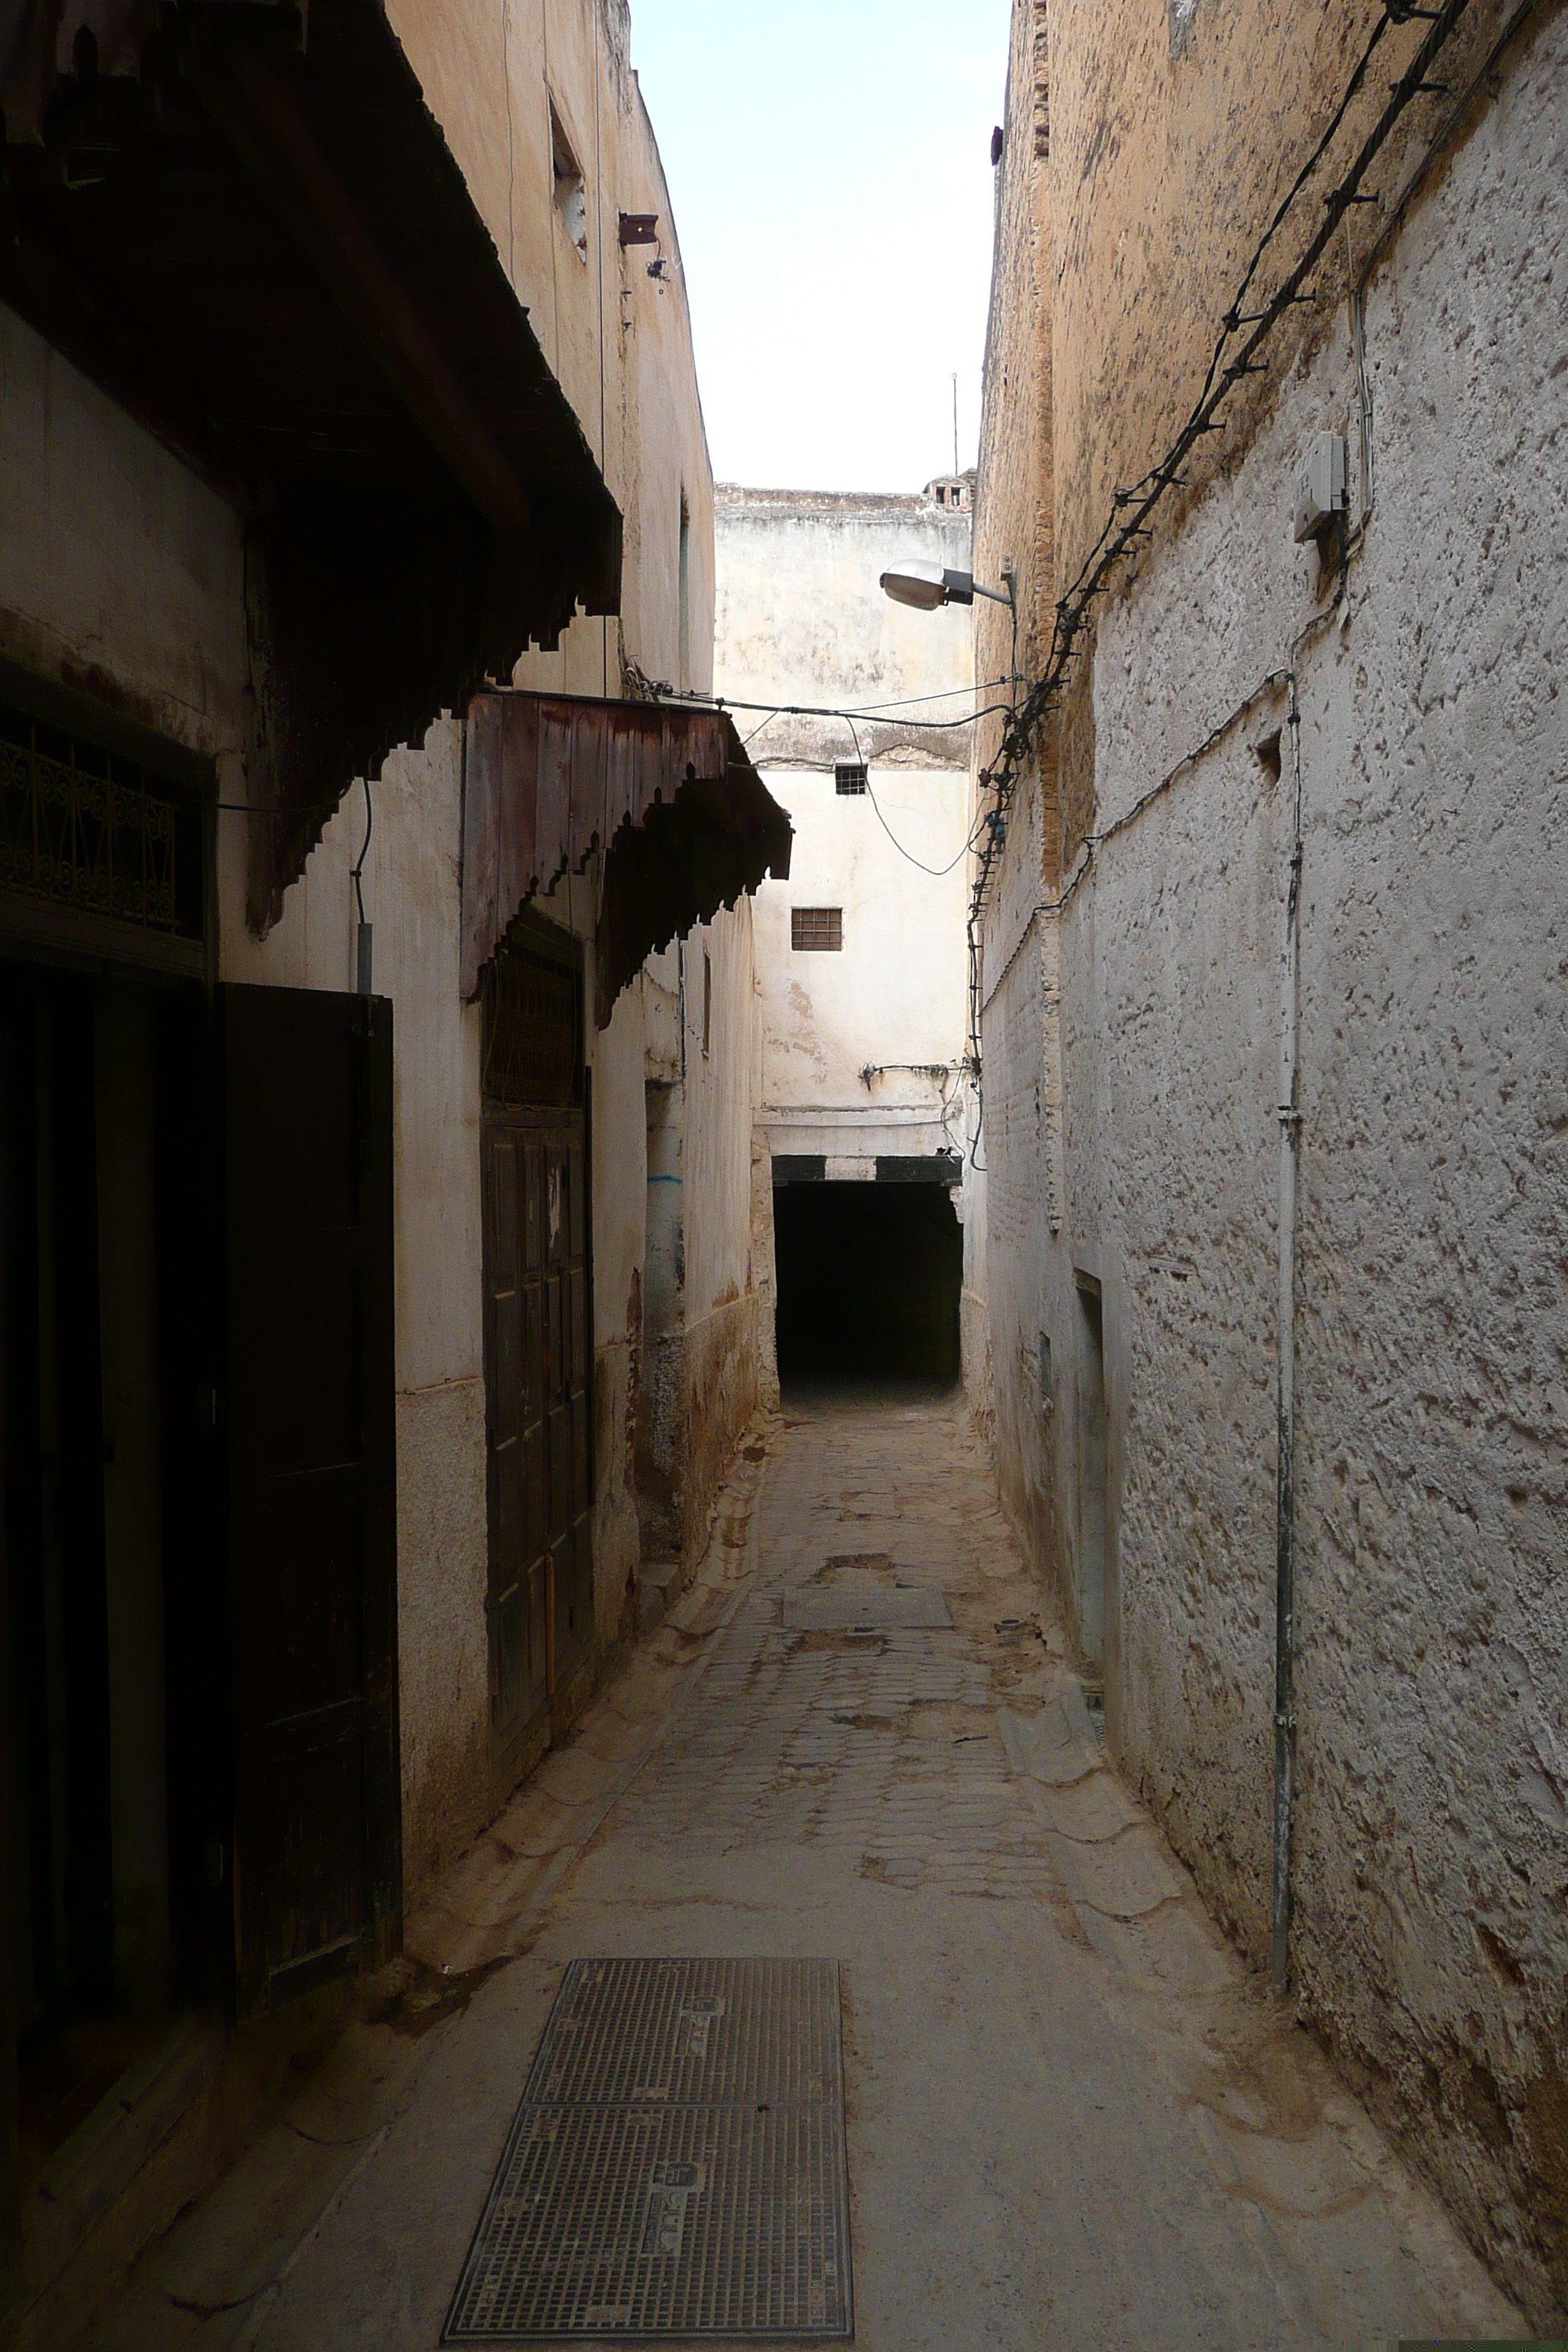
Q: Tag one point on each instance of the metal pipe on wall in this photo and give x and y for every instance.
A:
(1285, 1488)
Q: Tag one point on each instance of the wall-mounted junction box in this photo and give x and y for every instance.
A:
(1320, 493)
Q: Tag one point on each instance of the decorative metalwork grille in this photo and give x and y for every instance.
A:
(532, 1012)
(82, 827)
(817, 929)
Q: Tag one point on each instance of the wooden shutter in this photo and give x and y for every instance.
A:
(569, 1378)
(317, 1862)
(539, 1404)
(538, 1341)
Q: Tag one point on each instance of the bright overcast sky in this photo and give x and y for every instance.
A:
(829, 163)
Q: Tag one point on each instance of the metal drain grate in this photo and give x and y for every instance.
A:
(677, 2168)
(875, 1609)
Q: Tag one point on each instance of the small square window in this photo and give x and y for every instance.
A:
(850, 777)
(817, 929)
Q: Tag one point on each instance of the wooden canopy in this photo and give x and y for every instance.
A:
(666, 792)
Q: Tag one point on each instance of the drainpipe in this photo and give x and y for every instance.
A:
(1285, 1496)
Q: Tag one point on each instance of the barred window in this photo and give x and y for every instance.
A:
(86, 829)
(532, 1031)
(850, 777)
(816, 928)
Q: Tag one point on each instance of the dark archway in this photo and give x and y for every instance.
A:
(868, 1282)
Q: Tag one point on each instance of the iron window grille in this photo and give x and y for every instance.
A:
(532, 1032)
(850, 777)
(86, 829)
(817, 929)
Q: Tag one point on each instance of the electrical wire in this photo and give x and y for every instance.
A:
(821, 711)
(935, 871)
(358, 868)
(1137, 501)
(854, 710)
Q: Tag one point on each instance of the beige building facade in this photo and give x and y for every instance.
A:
(861, 956)
(879, 804)
(390, 1082)
(1272, 1026)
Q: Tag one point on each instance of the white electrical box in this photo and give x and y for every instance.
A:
(1320, 492)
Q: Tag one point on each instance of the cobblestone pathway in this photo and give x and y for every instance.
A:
(1073, 2119)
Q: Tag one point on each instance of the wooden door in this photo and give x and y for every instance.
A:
(317, 1857)
(538, 1352)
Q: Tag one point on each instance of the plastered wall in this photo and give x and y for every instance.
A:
(1431, 1836)
(699, 1385)
(121, 574)
(861, 1050)
(799, 617)
(619, 341)
(1008, 1174)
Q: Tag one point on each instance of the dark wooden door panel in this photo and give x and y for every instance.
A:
(538, 1342)
(313, 1917)
(313, 1504)
(538, 1392)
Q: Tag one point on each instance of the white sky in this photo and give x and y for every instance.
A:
(829, 165)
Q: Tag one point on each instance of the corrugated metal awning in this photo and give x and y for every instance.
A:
(666, 792)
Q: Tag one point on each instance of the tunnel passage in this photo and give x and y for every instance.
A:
(869, 1278)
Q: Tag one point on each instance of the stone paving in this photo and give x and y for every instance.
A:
(1074, 2119)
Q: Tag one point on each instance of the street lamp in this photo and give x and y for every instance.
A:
(928, 586)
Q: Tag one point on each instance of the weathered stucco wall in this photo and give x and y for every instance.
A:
(891, 1001)
(1011, 1179)
(122, 576)
(410, 885)
(619, 341)
(861, 1050)
(799, 617)
(1431, 1864)
(699, 1374)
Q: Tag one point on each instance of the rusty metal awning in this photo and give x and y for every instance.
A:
(667, 792)
(243, 223)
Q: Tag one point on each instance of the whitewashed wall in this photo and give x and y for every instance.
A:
(896, 993)
(1431, 1941)
(122, 576)
(801, 619)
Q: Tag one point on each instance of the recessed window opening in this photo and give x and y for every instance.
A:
(850, 777)
(571, 190)
(817, 930)
(1268, 755)
(706, 1002)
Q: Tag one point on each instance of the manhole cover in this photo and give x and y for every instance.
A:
(874, 1609)
(677, 2168)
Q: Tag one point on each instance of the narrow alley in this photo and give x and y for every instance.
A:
(783, 1175)
(1043, 2036)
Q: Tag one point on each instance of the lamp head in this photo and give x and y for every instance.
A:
(926, 586)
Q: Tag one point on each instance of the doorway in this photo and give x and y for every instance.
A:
(869, 1284)
(1091, 1467)
(86, 1292)
(534, 1142)
(198, 1682)
(196, 1347)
